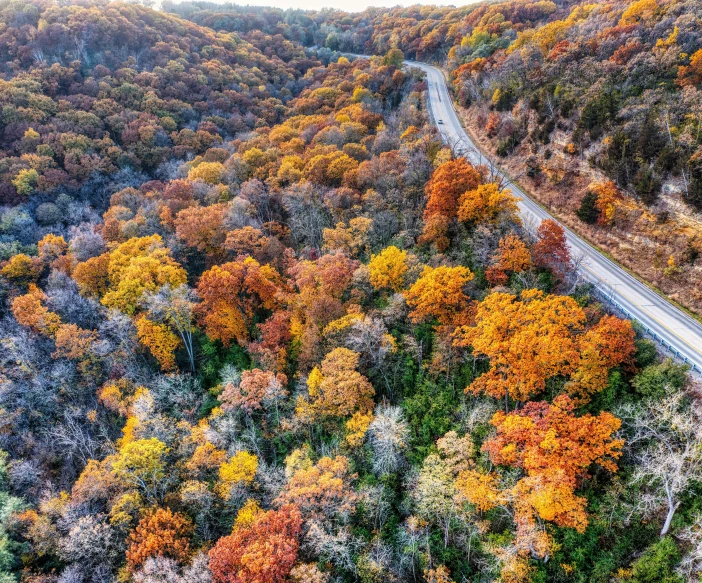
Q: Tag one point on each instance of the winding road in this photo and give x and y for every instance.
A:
(676, 333)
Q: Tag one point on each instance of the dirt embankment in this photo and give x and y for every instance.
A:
(641, 239)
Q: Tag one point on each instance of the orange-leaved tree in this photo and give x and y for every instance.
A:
(336, 388)
(231, 293)
(159, 339)
(446, 185)
(555, 449)
(439, 294)
(692, 73)
(261, 552)
(527, 340)
(160, 533)
(202, 228)
(512, 255)
(29, 310)
(551, 248)
(609, 343)
(487, 204)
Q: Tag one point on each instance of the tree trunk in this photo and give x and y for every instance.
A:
(669, 518)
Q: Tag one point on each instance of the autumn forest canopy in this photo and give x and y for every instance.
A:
(260, 325)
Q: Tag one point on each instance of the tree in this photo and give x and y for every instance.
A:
(240, 470)
(393, 57)
(263, 552)
(22, 270)
(692, 73)
(137, 266)
(527, 342)
(388, 436)
(160, 341)
(254, 389)
(589, 211)
(435, 495)
(322, 490)
(387, 269)
(555, 449)
(439, 575)
(512, 255)
(638, 11)
(160, 533)
(9, 505)
(30, 311)
(551, 248)
(141, 464)
(202, 228)
(73, 342)
(669, 429)
(352, 239)
(606, 197)
(609, 343)
(231, 293)
(210, 172)
(246, 241)
(25, 181)
(439, 294)
(336, 388)
(446, 185)
(175, 307)
(487, 203)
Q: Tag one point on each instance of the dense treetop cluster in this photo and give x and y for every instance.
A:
(574, 95)
(259, 325)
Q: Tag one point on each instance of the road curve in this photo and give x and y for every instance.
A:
(675, 331)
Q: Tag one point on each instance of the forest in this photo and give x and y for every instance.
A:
(260, 325)
(595, 108)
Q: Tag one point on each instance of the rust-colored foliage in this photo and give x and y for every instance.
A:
(262, 552)
(551, 248)
(202, 227)
(29, 310)
(255, 387)
(512, 256)
(692, 73)
(161, 533)
(608, 344)
(448, 182)
(555, 449)
(231, 293)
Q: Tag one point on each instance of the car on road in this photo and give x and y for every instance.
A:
(441, 121)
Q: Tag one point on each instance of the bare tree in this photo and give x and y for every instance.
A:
(670, 431)
(174, 306)
(691, 565)
(388, 437)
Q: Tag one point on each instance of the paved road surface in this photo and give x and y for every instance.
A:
(677, 332)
